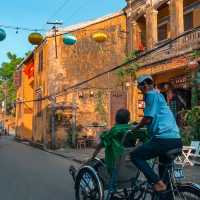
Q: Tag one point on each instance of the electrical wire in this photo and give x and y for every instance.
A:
(77, 10)
(17, 28)
(59, 9)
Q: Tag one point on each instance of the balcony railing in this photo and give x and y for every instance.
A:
(185, 43)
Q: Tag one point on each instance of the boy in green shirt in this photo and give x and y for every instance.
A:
(111, 140)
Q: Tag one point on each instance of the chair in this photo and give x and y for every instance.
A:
(196, 150)
(80, 142)
(188, 152)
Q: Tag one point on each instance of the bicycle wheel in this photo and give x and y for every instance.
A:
(187, 192)
(181, 192)
(88, 185)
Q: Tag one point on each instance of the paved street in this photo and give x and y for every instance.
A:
(27, 173)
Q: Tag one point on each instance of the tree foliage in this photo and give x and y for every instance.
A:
(7, 87)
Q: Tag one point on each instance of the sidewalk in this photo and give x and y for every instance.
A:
(77, 155)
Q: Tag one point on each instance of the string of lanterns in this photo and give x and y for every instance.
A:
(36, 38)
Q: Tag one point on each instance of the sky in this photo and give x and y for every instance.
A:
(35, 13)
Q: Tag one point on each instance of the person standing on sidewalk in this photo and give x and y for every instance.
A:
(163, 131)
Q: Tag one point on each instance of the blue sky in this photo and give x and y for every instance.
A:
(35, 14)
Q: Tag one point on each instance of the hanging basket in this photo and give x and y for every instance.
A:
(69, 39)
(99, 37)
(35, 38)
(2, 34)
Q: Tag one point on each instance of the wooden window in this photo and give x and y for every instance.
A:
(188, 21)
(40, 64)
(39, 102)
(162, 32)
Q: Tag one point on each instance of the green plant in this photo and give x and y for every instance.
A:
(192, 118)
(195, 80)
(196, 53)
(100, 108)
(130, 70)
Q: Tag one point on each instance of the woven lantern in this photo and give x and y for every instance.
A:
(2, 34)
(35, 38)
(99, 37)
(69, 39)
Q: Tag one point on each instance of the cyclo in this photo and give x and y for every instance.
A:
(94, 182)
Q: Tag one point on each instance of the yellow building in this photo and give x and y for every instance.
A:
(164, 31)
(24, 111)
(53, 74)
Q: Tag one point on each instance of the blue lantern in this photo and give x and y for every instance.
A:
(2, 34)
(69, 39)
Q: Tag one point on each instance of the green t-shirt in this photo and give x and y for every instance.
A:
(111, 140)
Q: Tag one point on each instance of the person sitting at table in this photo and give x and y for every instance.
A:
(111, 139)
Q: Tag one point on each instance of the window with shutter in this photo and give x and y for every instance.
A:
(162, 32)
(188, 21)
(40, 64)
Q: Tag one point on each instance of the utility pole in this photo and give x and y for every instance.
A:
(74, 120)
(53, 125)
(55, 29)
(5, 91)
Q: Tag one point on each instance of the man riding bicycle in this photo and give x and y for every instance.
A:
(163, 130)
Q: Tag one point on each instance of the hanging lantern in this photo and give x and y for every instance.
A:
(99, 37)
(69, 39)
(193, 64)
(35, 38)
(2, 34)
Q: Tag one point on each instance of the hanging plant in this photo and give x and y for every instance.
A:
(100, 108)
(130, 70)
(196, 54)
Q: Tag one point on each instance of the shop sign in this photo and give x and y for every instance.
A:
(179, 82)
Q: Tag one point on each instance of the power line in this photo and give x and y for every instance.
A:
(17, 28)
(112, 69)
(59, 9)
(80, 7)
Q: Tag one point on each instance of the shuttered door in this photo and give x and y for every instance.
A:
(118, 99)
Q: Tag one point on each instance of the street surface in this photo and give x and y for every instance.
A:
(27, 173)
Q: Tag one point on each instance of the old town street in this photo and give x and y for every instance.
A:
(27, 173)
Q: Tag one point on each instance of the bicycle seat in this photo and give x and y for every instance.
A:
(173, 153)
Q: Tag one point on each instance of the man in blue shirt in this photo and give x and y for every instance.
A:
(163, 131)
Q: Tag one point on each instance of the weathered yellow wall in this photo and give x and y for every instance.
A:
(24, 111)
(75, 64)
(40, 121)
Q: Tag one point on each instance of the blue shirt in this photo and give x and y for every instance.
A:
(163, 123)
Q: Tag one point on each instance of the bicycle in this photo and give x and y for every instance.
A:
(93, 182)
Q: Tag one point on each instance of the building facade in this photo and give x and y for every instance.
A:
(166, 34)
(86, 105)
(168, 31)
(24, 111)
